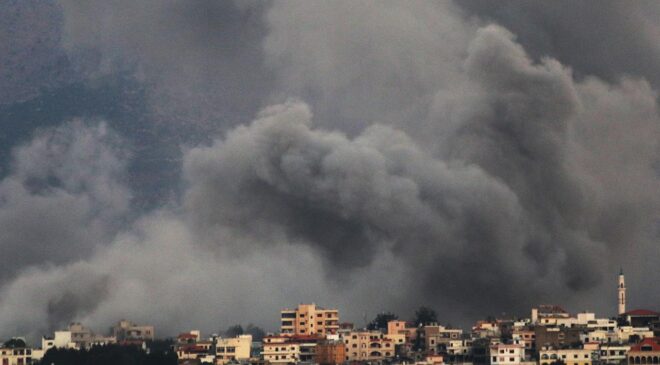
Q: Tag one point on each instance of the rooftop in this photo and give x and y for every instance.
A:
(641, 312)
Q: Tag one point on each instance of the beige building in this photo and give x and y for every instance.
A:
(548, 356)
(15, 356)
(60, 340)
(227, 349)
(289, 349)
(613, 354)
(507, 354)
(127, 330)
(308, 319)
(278, 350)
(367, 345)
(435, 335)
(401, 332)
(84, 338)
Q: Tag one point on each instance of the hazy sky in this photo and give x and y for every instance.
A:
(196, 164)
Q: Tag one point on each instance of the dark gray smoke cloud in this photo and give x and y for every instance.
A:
(609, 40)
(64, 196)
(202, 61)
(413, 153)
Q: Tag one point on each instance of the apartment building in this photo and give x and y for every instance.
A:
(60, 340)
(289, 349)
(367, 345)
(556, 337)
(548, 356)
(507, 354)
(549, 315)
(229, 349)
(16, 356)
(308, 319)
(435, 335)
(613, 354)
(330, 353)
(486, 329)
(401, 332)
(526, 338)
(127, 330)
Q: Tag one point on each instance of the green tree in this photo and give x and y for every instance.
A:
(425, 316)
(14, 343)
(233, 331)
(380, 322)
(257, 333)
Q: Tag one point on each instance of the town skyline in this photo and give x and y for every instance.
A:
(312, 334)
(201, 164)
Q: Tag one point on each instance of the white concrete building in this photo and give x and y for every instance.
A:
(507, 354)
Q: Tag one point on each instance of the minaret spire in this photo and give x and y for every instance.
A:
(622, 293)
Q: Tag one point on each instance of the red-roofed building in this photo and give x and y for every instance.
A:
(645, 352)
(290, 349)
(641, 318)
(189, 337)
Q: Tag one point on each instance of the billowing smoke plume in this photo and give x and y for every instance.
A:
(63, 197)
(412, 153)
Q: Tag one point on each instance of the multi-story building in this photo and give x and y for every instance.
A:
(645, 352)
(507, 354)
(613, 354)
(289, 349)
(367, 346)
(127, 330)
(557, 337)
(216, 350)
(549, 315)
(16, 356)
(549, 356)
(526, 338)
(485, 329)
(330, 353)
(308, 319)
(640, 318)
(228, 349)
(455, 351)
(435, 335)
(401, 331)
(189, 337)
(84, 338)
(60, 340)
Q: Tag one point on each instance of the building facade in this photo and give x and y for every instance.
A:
(548, 356)
(645, 352)
(16, 356)
(330, 353)
(507, 354)
(127, 330)
(308, 319)
(367, 346)
(229, 349)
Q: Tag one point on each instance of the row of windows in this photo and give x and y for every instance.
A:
(17, 352)
(372, 354)
(21, 361)
(555, 356)
(503, 351)
(503, 359)
(226, 349)
(364, 345)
